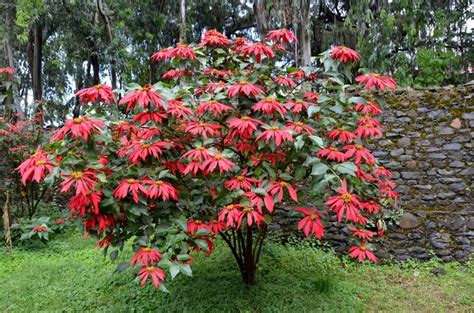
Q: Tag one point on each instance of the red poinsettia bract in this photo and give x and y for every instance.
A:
(143, 96)
(344, 54)
(98, 92)
(345, 202)
(84, 182)
(282, 36)
(130, 185)
(243, 88)
(311, 223)
(361, 253)
(80, 127)
(376, 81)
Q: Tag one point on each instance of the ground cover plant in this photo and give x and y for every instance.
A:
(70, 275)
(228, 137)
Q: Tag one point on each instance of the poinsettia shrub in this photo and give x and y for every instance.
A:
(19, 138)
(230, 136)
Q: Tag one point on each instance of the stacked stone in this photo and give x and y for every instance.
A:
(428, 140)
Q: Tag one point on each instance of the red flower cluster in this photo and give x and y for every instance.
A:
(213, 38)
(344, 54)
(96, 93)
(148, 258)
(376, 81)
(35, 168)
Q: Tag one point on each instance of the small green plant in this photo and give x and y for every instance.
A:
(38, 229)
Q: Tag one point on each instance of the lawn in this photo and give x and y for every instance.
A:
(71, 275)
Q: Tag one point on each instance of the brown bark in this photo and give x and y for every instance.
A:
(245, 245)
(108, 32)
(261, 12)
(36, 76)
(302, 23)
(182, 25)
(11, 63)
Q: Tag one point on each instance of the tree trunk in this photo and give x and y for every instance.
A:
(37, 65)
(94, 61)
(303, 22)
(245, 248)
(182, 26)
(261, 17)
(79, 85)
(9, 56)
(108, 32)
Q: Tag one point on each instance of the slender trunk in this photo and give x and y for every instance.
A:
(182, 26)
(261, 17)
(108, 32)
(95, 68)
(9, 55)
(245, 245)
(303, 24)
(79, 85)
(37, 64)
(7, 222)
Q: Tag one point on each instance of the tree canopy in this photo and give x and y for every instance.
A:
(58, 47)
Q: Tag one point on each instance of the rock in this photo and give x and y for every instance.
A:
(408, 221)
(424, 256)
(456, 123)
(436, 114)
(447, 258)
(468, 116)
(412, 164)
(445, 130)
(452, 146)
(445, 172)
(455, 222)
(448, 180)
(410, 175)
(396, 152)
(402, 258)
(463, 240)
(457, 187)
(443, 252)
(421, 213)
(457, 164)
(414, 134)
(424, 187)
(460, 255)
(437, 156)
(397, 236)
(438, 271)
(467, 171)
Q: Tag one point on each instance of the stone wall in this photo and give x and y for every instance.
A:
(428, 140)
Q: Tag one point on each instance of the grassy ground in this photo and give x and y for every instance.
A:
(71, 275)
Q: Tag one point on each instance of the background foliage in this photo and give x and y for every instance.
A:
(71, 44)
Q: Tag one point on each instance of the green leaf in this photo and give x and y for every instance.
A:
(186, 269)
(346, 168)
(174, 270)
(313, 109)
(317, 140)
(183, 257)
(337, 108)
(319, 169)
(101, 177)
(201, 232)
(122, 267)
(113, 255)
(357, 100)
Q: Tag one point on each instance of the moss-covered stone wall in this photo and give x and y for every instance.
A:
(428, 145)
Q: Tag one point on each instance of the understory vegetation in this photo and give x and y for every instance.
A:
(71, 275)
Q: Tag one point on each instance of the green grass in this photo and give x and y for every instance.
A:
(71, 275)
